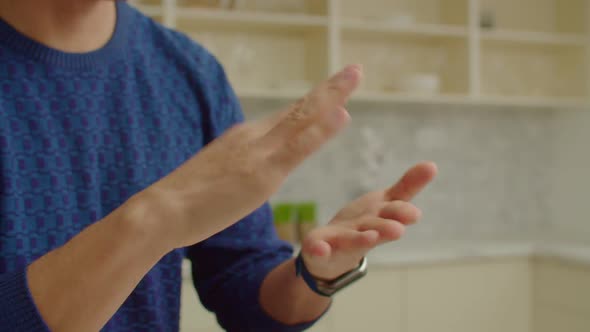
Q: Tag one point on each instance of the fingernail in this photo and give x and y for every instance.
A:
(349, 73)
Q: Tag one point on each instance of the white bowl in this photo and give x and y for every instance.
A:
(419, 84)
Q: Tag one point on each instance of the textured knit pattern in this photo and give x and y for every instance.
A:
(81, 133)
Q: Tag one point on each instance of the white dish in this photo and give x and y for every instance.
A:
(418, 84)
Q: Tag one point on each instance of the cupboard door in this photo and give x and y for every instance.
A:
(563, 285)
(561, 296)
(324, 325)
(550, 318)
(483, 297)
(193, 317)
(372, 304)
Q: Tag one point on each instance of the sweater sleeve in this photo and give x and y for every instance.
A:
(229, 268)
(18, 312)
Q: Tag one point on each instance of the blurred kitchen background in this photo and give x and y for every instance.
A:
(496, 92)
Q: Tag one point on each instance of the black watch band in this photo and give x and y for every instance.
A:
(329, 288)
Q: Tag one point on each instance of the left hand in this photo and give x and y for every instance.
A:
(375, 218)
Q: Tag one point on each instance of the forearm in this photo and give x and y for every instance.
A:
(288, 299)
(80, 286)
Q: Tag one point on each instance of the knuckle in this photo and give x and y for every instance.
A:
(301, 144)
(293, 145)
(336, 87)
(316, 98)
(297, 110)
(300, 103)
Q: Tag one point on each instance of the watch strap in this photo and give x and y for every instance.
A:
(310, 280)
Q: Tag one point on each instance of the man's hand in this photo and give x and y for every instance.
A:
(375, 218)
(238, 172)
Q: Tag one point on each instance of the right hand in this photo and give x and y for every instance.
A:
(238, 172)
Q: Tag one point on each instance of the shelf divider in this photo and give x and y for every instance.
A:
(535, 37)
(417, 29)
(169, 13)
(587, 12)
(248, 17)
(334, 37)
(474, 46)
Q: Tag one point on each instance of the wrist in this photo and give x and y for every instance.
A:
(142, 218)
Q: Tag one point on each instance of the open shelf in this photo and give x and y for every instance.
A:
(366, 26)
(284, 97)
(444, 12)
(151, 8)
(391, 63)
(535, 37)
(546, 16)
(284, 7)
(263, 59)
(535, 102)
(362, 96)
(246, 19)
(530, 70)
(368, 96)
(530, 53)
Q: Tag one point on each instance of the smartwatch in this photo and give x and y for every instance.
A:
(329, 287)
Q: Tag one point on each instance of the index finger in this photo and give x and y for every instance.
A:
(317, 105)
(412, 183)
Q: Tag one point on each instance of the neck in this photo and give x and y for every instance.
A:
(75, 26)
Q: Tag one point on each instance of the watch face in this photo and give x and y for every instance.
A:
(329, 288)
(343, 281)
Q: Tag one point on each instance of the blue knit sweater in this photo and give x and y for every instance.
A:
(81, 133)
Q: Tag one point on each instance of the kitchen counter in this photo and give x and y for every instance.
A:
(578, 254)
(402, 256)
(405, 256)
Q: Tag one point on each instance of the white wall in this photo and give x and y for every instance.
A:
(494, 180)
(505, 174)
(570, 193)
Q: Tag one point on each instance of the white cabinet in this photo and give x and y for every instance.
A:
(193, 317)
(551, 319)
(324, 325)
(491, 296)
(504, 295)
(527, 52)
(562, 296)
(374, 304)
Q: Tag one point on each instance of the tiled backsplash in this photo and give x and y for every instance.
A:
(570, 194)
(494, 168)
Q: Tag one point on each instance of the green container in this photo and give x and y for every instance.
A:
(307, 213)
(284, 213)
